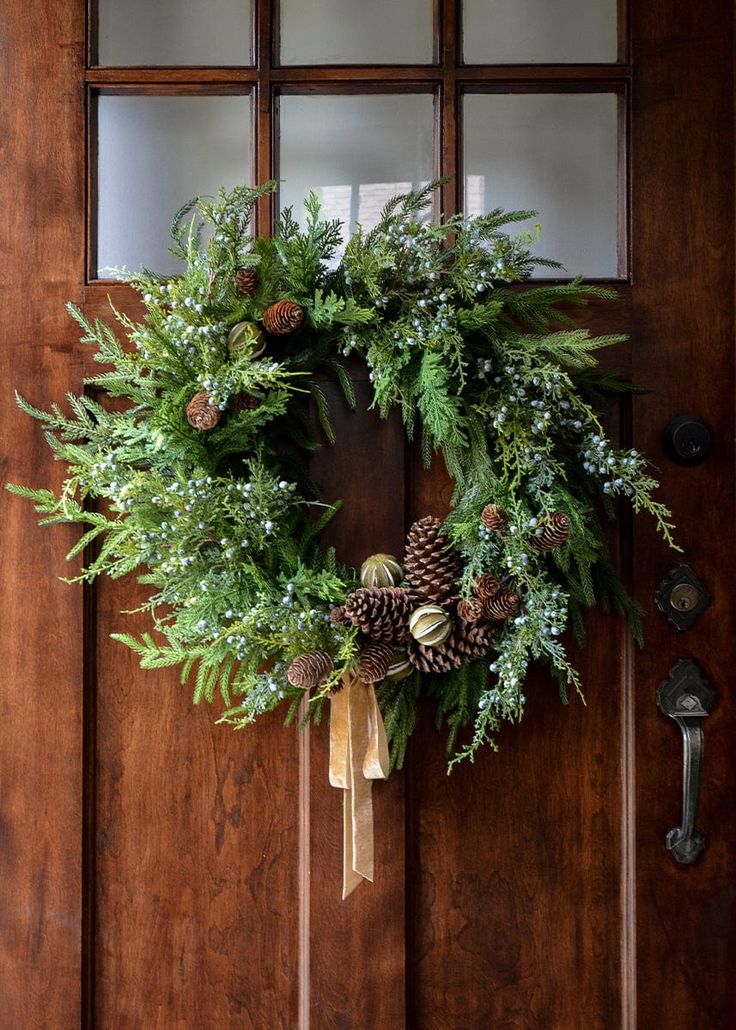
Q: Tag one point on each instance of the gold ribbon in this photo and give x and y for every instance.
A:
(358, 755)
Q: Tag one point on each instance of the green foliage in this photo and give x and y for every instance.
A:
(224, 525)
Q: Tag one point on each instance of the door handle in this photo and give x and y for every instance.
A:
(687, 697)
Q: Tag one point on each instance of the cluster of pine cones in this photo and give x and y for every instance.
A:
(423, 625)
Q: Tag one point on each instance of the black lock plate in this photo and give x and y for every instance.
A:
(687, 440)
(682, 597)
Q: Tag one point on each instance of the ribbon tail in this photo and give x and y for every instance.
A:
(376, 765)
(339, 775)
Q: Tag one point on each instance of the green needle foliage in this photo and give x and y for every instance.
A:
(224, 525)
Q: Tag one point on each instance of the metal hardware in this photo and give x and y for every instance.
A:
(687, 440)
(682, 597)
(687, 697)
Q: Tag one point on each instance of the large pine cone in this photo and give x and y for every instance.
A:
(201, 414)
(309, 670)
(501, 606)
(246, 281)
(380, 612)
(494, 518)
(466, 643)
(553, 533)
(432, 566)
(282, 317)
(375, 661)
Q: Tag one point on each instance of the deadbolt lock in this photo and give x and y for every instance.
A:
(682, 597)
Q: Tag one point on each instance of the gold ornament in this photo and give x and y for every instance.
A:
(400, 666)
(430, 625)
(381, 570)
(246, 337)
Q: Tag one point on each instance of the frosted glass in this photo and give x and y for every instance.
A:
(155, 153)
(546, 31)
(555, 154)
(355, 152)
(166, 32)
(356, 32)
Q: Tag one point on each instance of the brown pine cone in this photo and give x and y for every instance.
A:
(245, 402)
(282, 317)
(466, 643)
(486, 586)
(380, 612)
(374, 661)
(309, 670)
(433, 567)
(503, 605)
(494, 518)
(201, 414)
(553, 533)
(470, 610)
(337, 615)
(246, 281)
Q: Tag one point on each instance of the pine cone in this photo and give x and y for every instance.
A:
(466, 643)
(470, 610)
(282, 317)
(503, 605)
(245, 402)
(246, 281)
(380, 612)
(337, 615)
(486, 586)
(432, 566)
(309, 670)
(374, 661)
(201, 414)
(554, 532)
(494, 518)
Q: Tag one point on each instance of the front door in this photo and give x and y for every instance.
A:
(158, 870)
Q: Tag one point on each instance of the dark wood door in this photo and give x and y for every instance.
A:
(159, 871)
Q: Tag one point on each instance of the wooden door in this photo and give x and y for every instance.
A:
(160, 871)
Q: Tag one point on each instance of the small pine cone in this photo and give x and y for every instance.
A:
(375, 661)
(502, 606)
(494, 518)
(486, 586)
(466, 643)
(470, 610)
(282, 317)
(337, 615)
(433, 567)
(245, 402)
(309, 670)
(380, 612)
(201, 414)
(246, 281)
(554, 532)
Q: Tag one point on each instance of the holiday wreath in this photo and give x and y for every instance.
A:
(203, 482)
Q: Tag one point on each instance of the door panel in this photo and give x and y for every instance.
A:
(159, 870)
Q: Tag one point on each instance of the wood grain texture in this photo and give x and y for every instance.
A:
(196, 851)
(41, 192)
(683, 238)
(357, 946)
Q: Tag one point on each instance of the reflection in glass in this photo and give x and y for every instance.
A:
(553, 153)
(355, 152)
(356, 32)
(169, 32)
(529, 31)
(154, 154)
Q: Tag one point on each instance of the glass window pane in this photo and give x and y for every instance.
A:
(555, 154)
(154, 154)
(527, 31)
(356, 32)
(355, 152)
(166, 32)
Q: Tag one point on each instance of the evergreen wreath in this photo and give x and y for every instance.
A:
(203, 485)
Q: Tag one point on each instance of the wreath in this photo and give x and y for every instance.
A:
(200, 479)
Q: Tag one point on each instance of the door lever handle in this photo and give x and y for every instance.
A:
(687, 697)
